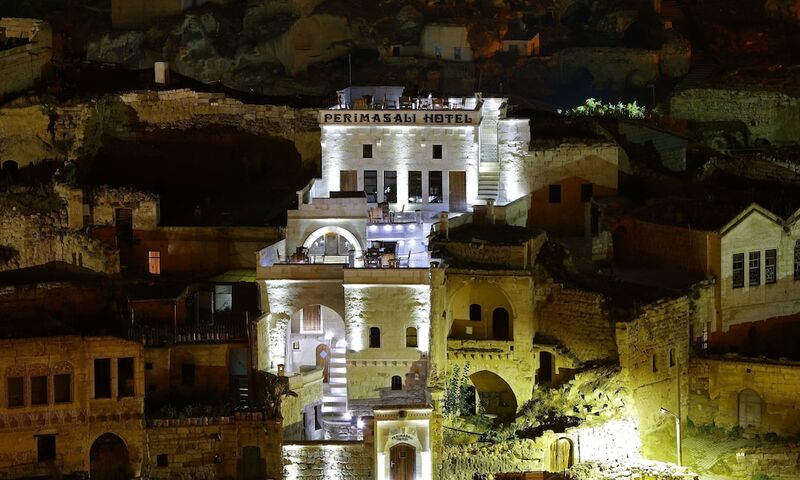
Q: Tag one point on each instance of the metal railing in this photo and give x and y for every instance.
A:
(165, 335)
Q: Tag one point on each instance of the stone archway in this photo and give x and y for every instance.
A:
(333, 238)
(494, 395)
(109, 459)
(402, 458)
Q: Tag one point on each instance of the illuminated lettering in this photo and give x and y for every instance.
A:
(347, 117)
(327, 117)
(337, 117)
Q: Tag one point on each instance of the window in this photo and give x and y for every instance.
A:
(125, 379)
(754, 269)
(671, 357)
(414, 186)
(437, 52)
(554, 193)
(374, 337)
(587, 190)
(154, 262)
(39, 390)
(312, 319)
(366, 150)
(187, 374)
(162, 460)
(457, 53)
(45, 448)
(371, 185)
(435, 187)
(411, 337)
(738, 270)
(396, 51)
(655, 365)
(16, 391)
(475, 312)
(102, 378)
(437, 152)
(223, 298)
(770, 266)
(317, 417)
(397, 382)
(797, 260)
(62, 388)
(390, 186)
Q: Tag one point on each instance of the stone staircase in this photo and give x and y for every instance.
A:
(489, 174)
(488, 181)
(334, 393)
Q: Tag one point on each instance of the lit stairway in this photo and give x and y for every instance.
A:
(334, 393)
(488, 181)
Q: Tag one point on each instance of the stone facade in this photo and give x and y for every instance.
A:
(22, 66)
(74, 412)
(328, 461)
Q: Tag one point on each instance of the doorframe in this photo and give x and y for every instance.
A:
(399, 438)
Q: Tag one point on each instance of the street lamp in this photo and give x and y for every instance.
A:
(664, 411)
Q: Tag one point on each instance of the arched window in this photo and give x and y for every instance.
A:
(374, 337)
(411, 337)
(475, 312)
(797, 260)
(397, 383)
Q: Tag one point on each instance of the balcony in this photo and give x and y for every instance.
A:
(155, 336)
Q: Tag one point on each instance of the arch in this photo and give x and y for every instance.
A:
(397, 382)
(345, 234)
(374, 337)
(463, 306)
(10, 166)
(402, 461)
(501, 324)
(561, 455)
(749, 409)
(494, 395)
(109, 458)
(301, 342)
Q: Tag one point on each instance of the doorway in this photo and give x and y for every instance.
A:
(123, 225)
(749, 410)
(251, 463)
(500, 324)
(108, 459)
(324, 361)
(545, 367)
(403, 462)
(561, 455)
(458, 191)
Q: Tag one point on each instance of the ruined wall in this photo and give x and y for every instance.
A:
(716, 385)
(184, 109)
(21, 66)
(765, 115)
(211, 448)
(308, 387)
(579, 320)
(610, 68)
(328, 461)
(103, 201)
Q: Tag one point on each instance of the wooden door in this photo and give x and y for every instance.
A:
(324, 360)
(562, 455)
(348, 180)
(403, 462)
(458, 191)
(749, 410)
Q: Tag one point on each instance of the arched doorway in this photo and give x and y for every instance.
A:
(545, 367)
(333, 244)
(501, 327)
(403, 458)
(494, 395)
(324, 361)
(561, 455)
(108, 459)
(749, 410)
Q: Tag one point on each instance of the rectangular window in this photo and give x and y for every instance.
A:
(396, 51)
(390, 186)
(16, 391)
(312, 319)
(554, 193)
(102, 378)
(187, 374)
(366, 150)
(162, 460)
(154, 262)
(435, 187)
(45, 448)
(437, 152)
(371, 185)
(437, 52)
(62, 388)
(457, 53)
(587, 190)
(39, 390)
(738, 270)
(374, 337)
(414, 186)
(125, 379)
(754, 269)
(770, 266)
(223, 298)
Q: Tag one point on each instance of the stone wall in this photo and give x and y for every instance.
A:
(211, 448)
(21, 66)
(461, 462)
(328, 461)
(103, 201)
(762, 114)
(580, 321)
(610, 68)
(24, 135)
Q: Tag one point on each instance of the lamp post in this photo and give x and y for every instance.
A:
(664, 411)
